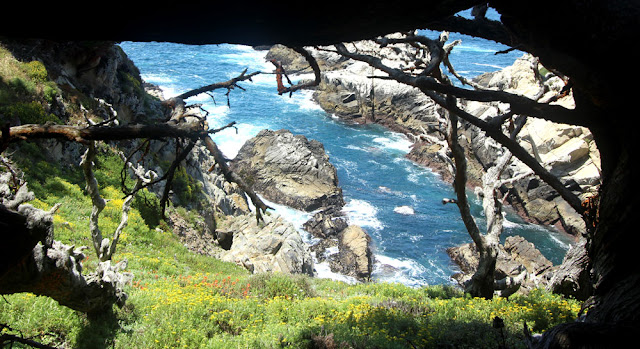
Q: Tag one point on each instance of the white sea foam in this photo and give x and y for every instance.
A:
(509, 224)
(402, 270)
(488, 65)
(157, 79)
(303, 100)
(324, 272)
(395, 141)
(231, 140)
(404, 210)
(362, 213)
(247, 56)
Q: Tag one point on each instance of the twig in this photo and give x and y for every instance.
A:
(171, 172)
(10, 338)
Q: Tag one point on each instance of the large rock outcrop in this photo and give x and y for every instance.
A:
(273, 245)
(517, 258)
(290, 170)
(567, 151)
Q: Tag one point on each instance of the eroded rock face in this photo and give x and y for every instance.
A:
(290, 170)
(270, 246)
(356, 258)
(516, 256)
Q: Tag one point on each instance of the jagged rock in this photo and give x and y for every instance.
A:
(270, 246)
(572, 277)
(514, 257)
(326, 223)
(525, 253)
(289, 170)
(355, 257)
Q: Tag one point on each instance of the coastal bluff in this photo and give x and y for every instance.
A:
(347, 92)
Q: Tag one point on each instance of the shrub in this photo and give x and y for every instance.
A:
(36, 71)
(30, 113)
(271, 285)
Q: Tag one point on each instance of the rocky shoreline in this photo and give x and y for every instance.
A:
(567, 151)
(224, 226)
(231, 232)
(291, 170)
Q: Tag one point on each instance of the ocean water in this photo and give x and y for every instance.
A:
(396, 201)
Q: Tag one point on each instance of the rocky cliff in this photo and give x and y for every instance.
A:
(96, 83)
(348, 92)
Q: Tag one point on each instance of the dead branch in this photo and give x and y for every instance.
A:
(84, 134)
(97, 201)
(34, 262)
(229, 85)
(7, 340)
(233, 177)
(519, 104)
(280, 72)
(171, 172)
(516, 149)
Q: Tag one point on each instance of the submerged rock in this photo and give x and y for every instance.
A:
(290, 170)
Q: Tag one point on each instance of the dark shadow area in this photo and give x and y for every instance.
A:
(100, 329)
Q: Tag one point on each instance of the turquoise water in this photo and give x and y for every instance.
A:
(397, 202)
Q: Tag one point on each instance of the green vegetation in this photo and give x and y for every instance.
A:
(25, 91)
(180, 299)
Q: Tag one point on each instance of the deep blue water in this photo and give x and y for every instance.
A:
(397, 202)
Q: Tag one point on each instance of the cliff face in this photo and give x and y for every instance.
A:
(96, 83)
(567, 151)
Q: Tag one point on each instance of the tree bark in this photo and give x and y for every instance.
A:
(36, 263)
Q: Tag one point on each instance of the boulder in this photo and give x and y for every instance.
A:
(572, 278)
(326, 223)
(355, 257)
(270, 246)
(290, 170)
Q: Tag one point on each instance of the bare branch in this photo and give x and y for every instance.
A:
(97, 201)
(112, 133)
(519, 104)
(233, 177)
(280, 71)
(515, 148)
(171, 172)
(229, 85)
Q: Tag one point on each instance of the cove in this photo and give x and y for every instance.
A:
(396, 201)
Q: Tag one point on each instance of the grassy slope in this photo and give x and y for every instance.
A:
(180, 299)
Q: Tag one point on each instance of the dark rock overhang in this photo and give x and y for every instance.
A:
(211, 22)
